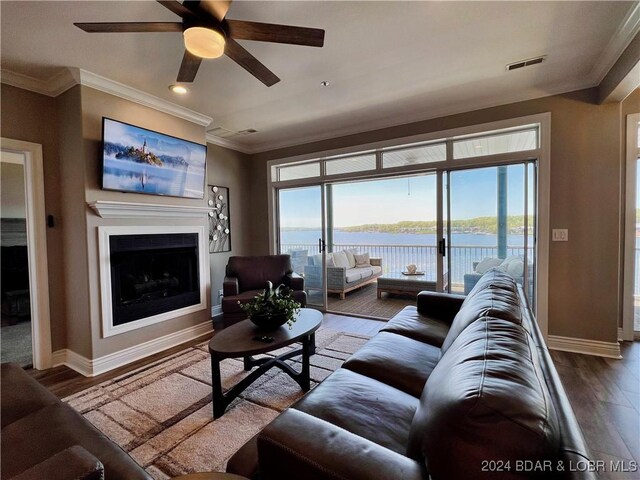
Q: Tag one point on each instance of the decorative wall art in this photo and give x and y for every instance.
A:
(219, 222)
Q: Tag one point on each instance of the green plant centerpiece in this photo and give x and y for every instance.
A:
(272, 308)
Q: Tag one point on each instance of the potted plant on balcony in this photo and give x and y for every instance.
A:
(272, 308)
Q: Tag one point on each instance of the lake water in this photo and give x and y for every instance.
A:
(376, 238)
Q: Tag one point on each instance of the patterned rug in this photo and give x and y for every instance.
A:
(162, 413)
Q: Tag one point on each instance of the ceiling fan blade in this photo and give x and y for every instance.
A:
(118, 27)
(188, 67)
(250, 63)
(176, 7)
(217, 8)
(270, 32)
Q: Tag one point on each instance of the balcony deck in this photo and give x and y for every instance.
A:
(364, 301)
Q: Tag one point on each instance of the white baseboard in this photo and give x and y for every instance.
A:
(91, 368)
(216, 310)
(587, 347)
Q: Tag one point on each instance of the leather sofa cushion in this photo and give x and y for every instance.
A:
(50, 430)
(485, 400)
(253, 272)
(491, 299)
(363, 406)
(20, 395)
(410, 323)
(396, 360)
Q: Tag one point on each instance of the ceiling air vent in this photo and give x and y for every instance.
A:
(526, 63)
(224, 133)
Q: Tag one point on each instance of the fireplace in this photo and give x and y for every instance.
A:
(150, 274)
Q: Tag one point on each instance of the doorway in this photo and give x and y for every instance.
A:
(15, 311)
(25, 327)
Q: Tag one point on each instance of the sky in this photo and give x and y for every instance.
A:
(473, 194)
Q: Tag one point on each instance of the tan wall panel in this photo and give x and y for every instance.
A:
(585, 198)
(32, 117)
(229, 168)
(74, 224)
(95, 105)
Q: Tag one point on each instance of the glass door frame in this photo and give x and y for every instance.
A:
(542, 154)
(534, 253)
(322, 240)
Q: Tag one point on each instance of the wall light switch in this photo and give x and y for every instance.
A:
(560, 235)
(220, 293)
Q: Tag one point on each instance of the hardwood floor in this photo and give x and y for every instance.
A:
(604, 393)
(605, 396)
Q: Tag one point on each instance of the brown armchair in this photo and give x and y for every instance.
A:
(247, 276)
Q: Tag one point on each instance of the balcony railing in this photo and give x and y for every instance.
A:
(395, 258)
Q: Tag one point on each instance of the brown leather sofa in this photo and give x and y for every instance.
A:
(247, 276)
(453, 389)
(43, 438)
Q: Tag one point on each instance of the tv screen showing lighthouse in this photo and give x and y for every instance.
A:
(142, 161)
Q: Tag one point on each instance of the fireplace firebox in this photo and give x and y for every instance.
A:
(152, 274)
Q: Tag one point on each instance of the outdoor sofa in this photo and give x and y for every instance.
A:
(344, 272)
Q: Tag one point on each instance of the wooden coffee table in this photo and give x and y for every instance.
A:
(238, 341)
(401, 284)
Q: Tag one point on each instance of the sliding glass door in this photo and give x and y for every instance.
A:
(301, 234)
(491, 224)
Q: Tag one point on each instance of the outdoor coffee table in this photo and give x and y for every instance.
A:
(399, 283)
(238, 341)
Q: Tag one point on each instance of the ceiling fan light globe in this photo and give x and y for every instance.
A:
(204, 42)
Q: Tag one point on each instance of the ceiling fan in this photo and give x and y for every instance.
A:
(207, 34)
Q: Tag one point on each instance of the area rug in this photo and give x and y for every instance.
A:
(16, 343)
(161, 414)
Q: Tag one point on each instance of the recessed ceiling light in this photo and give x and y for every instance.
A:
(324, 83)
(179, 89)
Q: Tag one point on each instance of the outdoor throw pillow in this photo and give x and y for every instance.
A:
(487, 263)
(340, 259)
(351, 257)
(362, 261)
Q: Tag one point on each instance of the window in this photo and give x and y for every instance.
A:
(358, 163)
(295, 172)
(414, 156)
(478, 146)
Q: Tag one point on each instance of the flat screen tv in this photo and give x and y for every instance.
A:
(142, 161)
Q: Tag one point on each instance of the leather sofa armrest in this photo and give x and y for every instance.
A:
(440, 306)
(298, 445)
(294, 281)
(375, 261)
(230, 287)
(74, 462)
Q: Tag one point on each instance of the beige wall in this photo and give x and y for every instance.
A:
(95, 105)
(586, 166)
(229, 168)
(32, 117)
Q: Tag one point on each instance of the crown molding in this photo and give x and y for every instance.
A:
(121, 90)
(69, 77)
(223, 142)
(54, 86)
(625, 33)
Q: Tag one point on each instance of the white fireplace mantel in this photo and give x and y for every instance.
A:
(107, 209)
